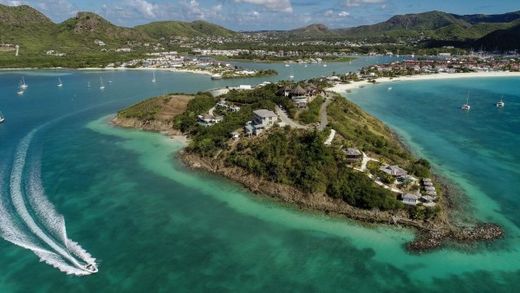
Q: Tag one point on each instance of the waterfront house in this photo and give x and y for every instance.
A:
(410, 199)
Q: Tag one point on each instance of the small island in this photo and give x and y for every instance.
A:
(303, 145)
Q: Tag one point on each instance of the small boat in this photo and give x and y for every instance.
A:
(467, 106)
(306, 65)
(291, 76)
(2, 118)
(102, 85)
(389, 88)
(91, 268)
(88, 84)
(287, 65)
(501, 104)
(216, 76)
(325, 65)
(23, 85)
(154, 80)
(60, 83)
(20, 92)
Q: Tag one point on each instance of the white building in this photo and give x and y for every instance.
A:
(263, 119)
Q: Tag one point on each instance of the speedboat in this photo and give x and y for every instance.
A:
(91, 268)
(60, 83)
(154, 80)
(291, 76)
(287, 65)
(102, 85)
(389, 88)
(2, 119)
(501, 104)
(325, 65)
(20, 92)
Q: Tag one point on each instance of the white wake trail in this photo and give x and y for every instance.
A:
(51, 219)
(61, 253)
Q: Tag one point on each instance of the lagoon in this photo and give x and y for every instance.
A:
(154, 225)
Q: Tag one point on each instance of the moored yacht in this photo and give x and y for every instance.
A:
(23, 85)
(501, 104)
(102, 85)
(467, 106)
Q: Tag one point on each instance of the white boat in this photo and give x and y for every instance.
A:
(325, 65)
(20, 92)
(291, 76)
(2, 118)
(60, 83)
(102, 85)
(467, 106)
(287, 65)
(91, 268)
(154, 80)
(88, 84)
(501, 104)
(216, 76)
(389, 88)
(23, 85)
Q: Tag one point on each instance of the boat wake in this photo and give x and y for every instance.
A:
(31, 221)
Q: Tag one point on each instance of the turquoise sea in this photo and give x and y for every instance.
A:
(155, 226)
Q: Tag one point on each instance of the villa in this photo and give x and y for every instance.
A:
(263, 120)
(395, 171)
(353, 154)
(209, 120)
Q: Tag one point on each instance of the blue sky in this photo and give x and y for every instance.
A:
(261, 14)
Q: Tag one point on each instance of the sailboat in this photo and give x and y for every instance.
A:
(2, 118)
(23, 85)
(467, 106)
(102, 85)
(60, 83)
(154, 80)
(501, 104)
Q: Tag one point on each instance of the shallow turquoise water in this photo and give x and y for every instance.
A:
(156, 226)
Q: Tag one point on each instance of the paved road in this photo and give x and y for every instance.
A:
(288, 121)
(324, 120)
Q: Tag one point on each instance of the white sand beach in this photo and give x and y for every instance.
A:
(343, 87)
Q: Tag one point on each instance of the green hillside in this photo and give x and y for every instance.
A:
(508, 39)
(169, 29)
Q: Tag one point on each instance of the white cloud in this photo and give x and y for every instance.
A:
(343, 14)
(144, 7)
(275, 5)
(351, 3)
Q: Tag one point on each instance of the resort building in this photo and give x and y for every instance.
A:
(410, 199)
(353, 154)
(395, 171)
(262, 120)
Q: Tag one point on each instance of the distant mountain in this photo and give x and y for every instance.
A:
(434, 24)
(167, 29)
(508, 39)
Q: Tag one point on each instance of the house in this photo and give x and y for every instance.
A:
(353, 154)
(262, 120)
(300, 101)
(395, 171)
(208, 120)
(410, 199)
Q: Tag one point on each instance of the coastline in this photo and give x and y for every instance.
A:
(343, 87)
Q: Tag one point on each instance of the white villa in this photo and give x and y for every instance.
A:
(263, 119)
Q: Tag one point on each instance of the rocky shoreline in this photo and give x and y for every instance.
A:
(430, 235)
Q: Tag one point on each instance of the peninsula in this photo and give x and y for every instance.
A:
(303, 145)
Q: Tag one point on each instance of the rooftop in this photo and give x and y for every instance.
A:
(264, 113)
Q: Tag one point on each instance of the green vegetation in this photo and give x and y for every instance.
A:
(312, 114)
(260, 73)
(145, 110)
(301, 159)
(168, 29)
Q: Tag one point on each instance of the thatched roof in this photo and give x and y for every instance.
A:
(298, 91)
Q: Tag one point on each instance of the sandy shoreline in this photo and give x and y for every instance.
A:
(343, 87)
